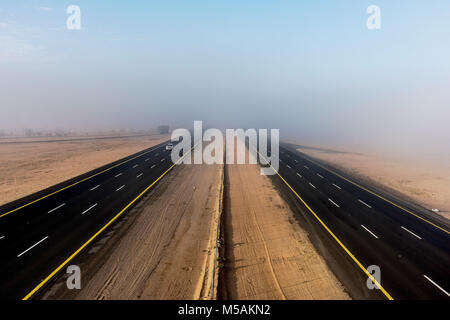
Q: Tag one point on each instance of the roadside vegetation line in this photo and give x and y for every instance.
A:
(387, 295)
(73, 255)
(78, 182)
(373, 234)
(34, 245)
(415, 235)
(437, 286)
(380, 196)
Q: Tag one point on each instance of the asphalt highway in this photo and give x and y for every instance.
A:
(411, 248)
(40, 233)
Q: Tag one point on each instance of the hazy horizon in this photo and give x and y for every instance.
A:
(313, 70)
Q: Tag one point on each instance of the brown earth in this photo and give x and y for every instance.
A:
(32, 166)
(163, 249)
(268, 254)
(425, 184)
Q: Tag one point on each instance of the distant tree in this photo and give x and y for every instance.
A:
(29, 132)
(163, 129)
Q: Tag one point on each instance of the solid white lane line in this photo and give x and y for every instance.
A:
(333, 202)
(364, 203)
(94, 187)
(373, 234)
(319, 175)
(120, 188)
(337, 186)
(306, 167)
(34, 245)
(61, 205)
(152, 166)
(288, 166)
(89, 208)
(147, 159)
(299, 174)
(135, 166)
(139, 175)
(118, 175)
(415, 235)
(312, 185)
(438, 286)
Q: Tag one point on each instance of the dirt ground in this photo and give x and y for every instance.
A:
(268, 255)
(29, 167)
(164, 248)
(427, 185)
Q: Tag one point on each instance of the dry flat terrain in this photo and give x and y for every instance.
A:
(268, 255)
(27, 167)
(162, 249)
(427, 185)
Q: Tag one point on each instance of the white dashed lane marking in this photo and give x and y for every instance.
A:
(34, 245)
(54, 209)
(120, 188)
(364, 203)
(337, 186)
(373, 234)
(415, 235)
(89, 208)
(437, 286)
(94, 187)
(333, 202)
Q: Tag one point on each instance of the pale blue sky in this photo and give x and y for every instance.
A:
(310, 68)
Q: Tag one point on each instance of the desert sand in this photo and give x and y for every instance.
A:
(32, 166)
(268, 254)
(162, 249)
(427, 185)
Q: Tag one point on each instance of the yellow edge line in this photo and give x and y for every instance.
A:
(73, 184)
(381, 197)
(331, 233)
(54, 272)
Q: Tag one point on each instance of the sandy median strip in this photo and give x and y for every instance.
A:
(268, 255)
